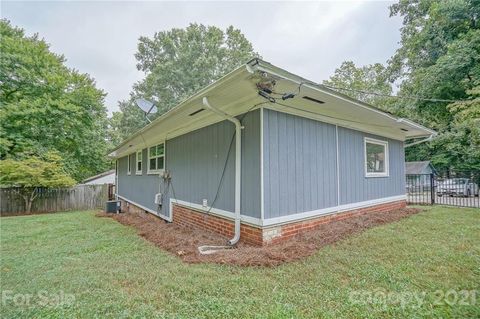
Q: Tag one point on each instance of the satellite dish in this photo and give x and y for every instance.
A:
(146, 106)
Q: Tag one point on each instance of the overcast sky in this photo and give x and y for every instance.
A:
(310, 39)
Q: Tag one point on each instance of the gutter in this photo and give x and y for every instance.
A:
(178, 108)
(429, 138)
(416, 125)
(413, 124)
(263, 66)
(238, 167)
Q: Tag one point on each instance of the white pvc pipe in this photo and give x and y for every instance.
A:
(238, 165)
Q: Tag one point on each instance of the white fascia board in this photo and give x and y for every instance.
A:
(277, 72)
(328, 120)
(180, 106)
(257, 64)
(417, 126)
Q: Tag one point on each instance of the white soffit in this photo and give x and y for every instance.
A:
(236, 93)
(338, 108)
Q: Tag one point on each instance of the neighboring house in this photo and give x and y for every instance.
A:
(107, 177)
(424, 167)
(305, 152)
(418, 175)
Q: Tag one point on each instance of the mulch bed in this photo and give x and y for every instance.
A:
(184, 242)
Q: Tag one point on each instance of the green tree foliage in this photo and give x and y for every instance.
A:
(355, 80)
(439, 58)
(47, 106)
(26, 176)
(460, 144)
(178, 63)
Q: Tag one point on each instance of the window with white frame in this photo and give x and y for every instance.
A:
(138, 168)
(129, 166)
(376, 158)
(156, 155)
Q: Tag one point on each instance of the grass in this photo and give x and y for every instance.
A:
(112, 272)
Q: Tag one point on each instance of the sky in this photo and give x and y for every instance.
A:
(310, 39)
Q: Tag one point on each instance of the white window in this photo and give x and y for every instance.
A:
(156, 155)
(138, 169)
(129, 166)
(376, 158)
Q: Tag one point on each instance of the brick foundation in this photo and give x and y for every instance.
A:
(130, 208)
(280, 233)
(253, 235)
(192, 218)
(189, 217)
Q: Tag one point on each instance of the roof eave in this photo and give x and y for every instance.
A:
(179, 106)
(260, 65)
(269, 68)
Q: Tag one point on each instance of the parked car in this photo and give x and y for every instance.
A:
(457, 187)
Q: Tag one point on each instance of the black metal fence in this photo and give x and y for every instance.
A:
(448, 188)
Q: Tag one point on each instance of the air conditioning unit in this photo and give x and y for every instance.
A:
(112, 206)
(158, 199)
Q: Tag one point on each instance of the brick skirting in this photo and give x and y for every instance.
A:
(192, 218)
(130, 208)
(280, 233)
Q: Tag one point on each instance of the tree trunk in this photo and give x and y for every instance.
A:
(29, 200)
(28, 205)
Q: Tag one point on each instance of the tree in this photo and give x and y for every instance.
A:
(352, 81)
(28, 175)
(439, 58)
(178, 63)
(46, 106)
(459, 147)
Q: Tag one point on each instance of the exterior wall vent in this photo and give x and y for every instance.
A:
(196, 112)
(313, 100)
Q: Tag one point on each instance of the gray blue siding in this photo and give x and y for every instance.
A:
(354, 186)
(195, 161)
(300, 166)
(140, 189)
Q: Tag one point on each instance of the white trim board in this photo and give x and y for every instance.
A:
(157, 170)
(294, 217)
(272, 221)
(337, 166)
(262, 183)
(129, 164)
(330, 210)
(139, 172)
(147, 209)
(215, 211)
(369, 140)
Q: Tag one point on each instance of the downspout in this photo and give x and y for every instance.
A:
(429, 138)
(238, 167)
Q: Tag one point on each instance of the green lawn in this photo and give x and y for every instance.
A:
(111, 272)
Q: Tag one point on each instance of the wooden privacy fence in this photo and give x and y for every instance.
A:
(55, 200)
